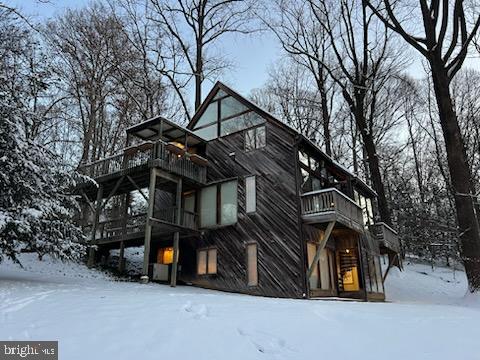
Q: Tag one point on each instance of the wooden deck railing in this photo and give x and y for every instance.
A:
(332, 201)
(133, 224)
(386, 236)
(144, 154)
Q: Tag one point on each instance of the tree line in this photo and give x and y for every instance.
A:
(343, 80)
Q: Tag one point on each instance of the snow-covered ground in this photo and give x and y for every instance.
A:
(95, 317)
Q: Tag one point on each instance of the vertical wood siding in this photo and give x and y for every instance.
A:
(274, 226)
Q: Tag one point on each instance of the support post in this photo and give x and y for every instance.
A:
(176, 236)
(96, 217)
(320, 248)
(121, 260)
(148, 223)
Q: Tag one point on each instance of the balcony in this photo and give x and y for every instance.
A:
(327, 205)
(132, 227)
(147, 154)
(387, 237)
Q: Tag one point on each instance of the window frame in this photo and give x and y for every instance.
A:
(218, 201)
(217, 123)
(254, 129)
(207, 251)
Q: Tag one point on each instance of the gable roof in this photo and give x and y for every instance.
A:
(271, 118)
(221, 86)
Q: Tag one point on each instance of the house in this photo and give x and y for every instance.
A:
(240, 202)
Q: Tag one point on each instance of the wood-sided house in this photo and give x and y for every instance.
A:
(240, 202)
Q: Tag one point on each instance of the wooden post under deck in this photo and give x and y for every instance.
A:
(121, 260)
(176, 235)
(96, 217)
(148, 226)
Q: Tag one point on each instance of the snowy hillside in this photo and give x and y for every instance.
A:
(95, 317)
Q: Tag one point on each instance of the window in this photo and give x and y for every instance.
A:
(252, 272)
(366, 205)
(230, 107)
(212, 261)
(255, 138)
(320, 278)
(218, 204)
(208, 206)
(228, 203)
(250, 194)
(227, 114)
(207, 261)
(240, 122)
(202, 262)
(207, 133)
(165, 255)
(208, 117)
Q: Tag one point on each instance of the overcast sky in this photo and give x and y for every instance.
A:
(252, 55)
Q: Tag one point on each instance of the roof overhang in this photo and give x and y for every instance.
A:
(160, 128)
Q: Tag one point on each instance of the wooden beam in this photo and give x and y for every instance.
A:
(137, 187)
(90, 204)
(167, 176)
(148, 224)
(98, 209)
(176, 235)
(390, 265)
(320, 248)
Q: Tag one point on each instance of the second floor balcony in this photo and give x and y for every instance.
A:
(167, 156)
(327, 205)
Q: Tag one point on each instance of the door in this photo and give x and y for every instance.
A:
(189, 210)
(348, 269)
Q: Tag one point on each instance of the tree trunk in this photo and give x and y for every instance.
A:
(460, 176)
(373, 165)
(326, 122)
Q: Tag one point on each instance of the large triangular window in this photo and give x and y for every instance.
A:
(225, 115)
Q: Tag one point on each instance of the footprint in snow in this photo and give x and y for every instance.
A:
(266, 343)
(197, 311)
(19, 304)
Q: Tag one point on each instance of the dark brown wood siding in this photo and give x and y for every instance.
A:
(274, 226)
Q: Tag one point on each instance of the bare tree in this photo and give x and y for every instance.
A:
(443, 41)
(311, 39)
(289, 93)
(361, 64)
(194, 28)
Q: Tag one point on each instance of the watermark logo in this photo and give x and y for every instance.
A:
(33, 350)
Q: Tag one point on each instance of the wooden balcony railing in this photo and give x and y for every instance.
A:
(154, 153)
(331, 204)
(121, 228)
(386, 236)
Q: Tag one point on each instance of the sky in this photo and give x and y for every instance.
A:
(251, 55)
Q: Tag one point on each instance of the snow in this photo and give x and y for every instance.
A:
(95, 317)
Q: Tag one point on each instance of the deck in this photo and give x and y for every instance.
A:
(140, 157)
(131, 229)
(323, 206)
(387, 237)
